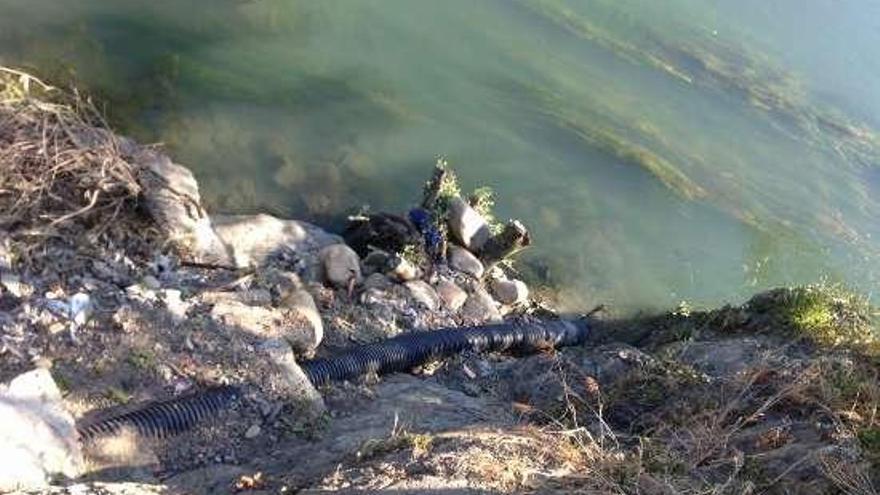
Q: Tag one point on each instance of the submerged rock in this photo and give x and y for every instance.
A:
(468, 226)
(464, 261)
(341, 265)
(38, 440)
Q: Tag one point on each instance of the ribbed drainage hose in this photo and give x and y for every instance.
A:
(163, 418)
(402, 353)
(407, 351)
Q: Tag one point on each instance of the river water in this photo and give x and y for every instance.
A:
(695, 150)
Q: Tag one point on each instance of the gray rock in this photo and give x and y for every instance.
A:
(424, 294)
(38, 440)
(295, 382)
(340, 265)
(467, 225)
(376, 281)
(253, 432)
(452, 295)
(12, 283)
(509, 291)
(5, 253)
(464, 261)
(480, 308)
(175, 304)
(404, 271)
(303, 304)
(295, 324)
(151, 282)
(279, 282)
(376, 262)
(171, 196)
(252, 240)
(256, 297)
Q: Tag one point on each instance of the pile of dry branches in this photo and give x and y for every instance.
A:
(62, 173)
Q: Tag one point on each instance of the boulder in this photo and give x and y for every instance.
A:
(301, 303)
(464, 261)
(466, 225)
(424, 294)
(171, 196)
(452, 295)
(297, 321)
(252, 240)
(340, 265)
(509, 291)
(292, 380)
(38, 440)
(480, 308)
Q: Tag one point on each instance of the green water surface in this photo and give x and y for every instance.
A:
(692, 150)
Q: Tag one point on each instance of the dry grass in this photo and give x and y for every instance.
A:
(62, 174)
(740, 425)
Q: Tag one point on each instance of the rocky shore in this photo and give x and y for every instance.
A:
(117, 287)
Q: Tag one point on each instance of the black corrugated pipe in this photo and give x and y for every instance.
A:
(162, 418)
(404, 352)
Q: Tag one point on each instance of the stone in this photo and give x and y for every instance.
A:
(480, 308)
(253, 432)
(404, 271)
(175, 305)
(279, 281)
(38, 440)
(509, 291)
(293, 379)
(464, 261)
(5, 253)
(340, 265)
(80, 308)
(303, 304)
(376, 281)
(151, 282)
(424, 294)
(376, 262)
(293, 324)
(253, 240)
(171, 197)
(452, 295)
(12, 283)
(467, 226)
(251, 297)
(256, 297)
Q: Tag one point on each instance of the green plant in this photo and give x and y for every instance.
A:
(142, 359)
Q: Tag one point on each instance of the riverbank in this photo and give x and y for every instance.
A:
(116, 280)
